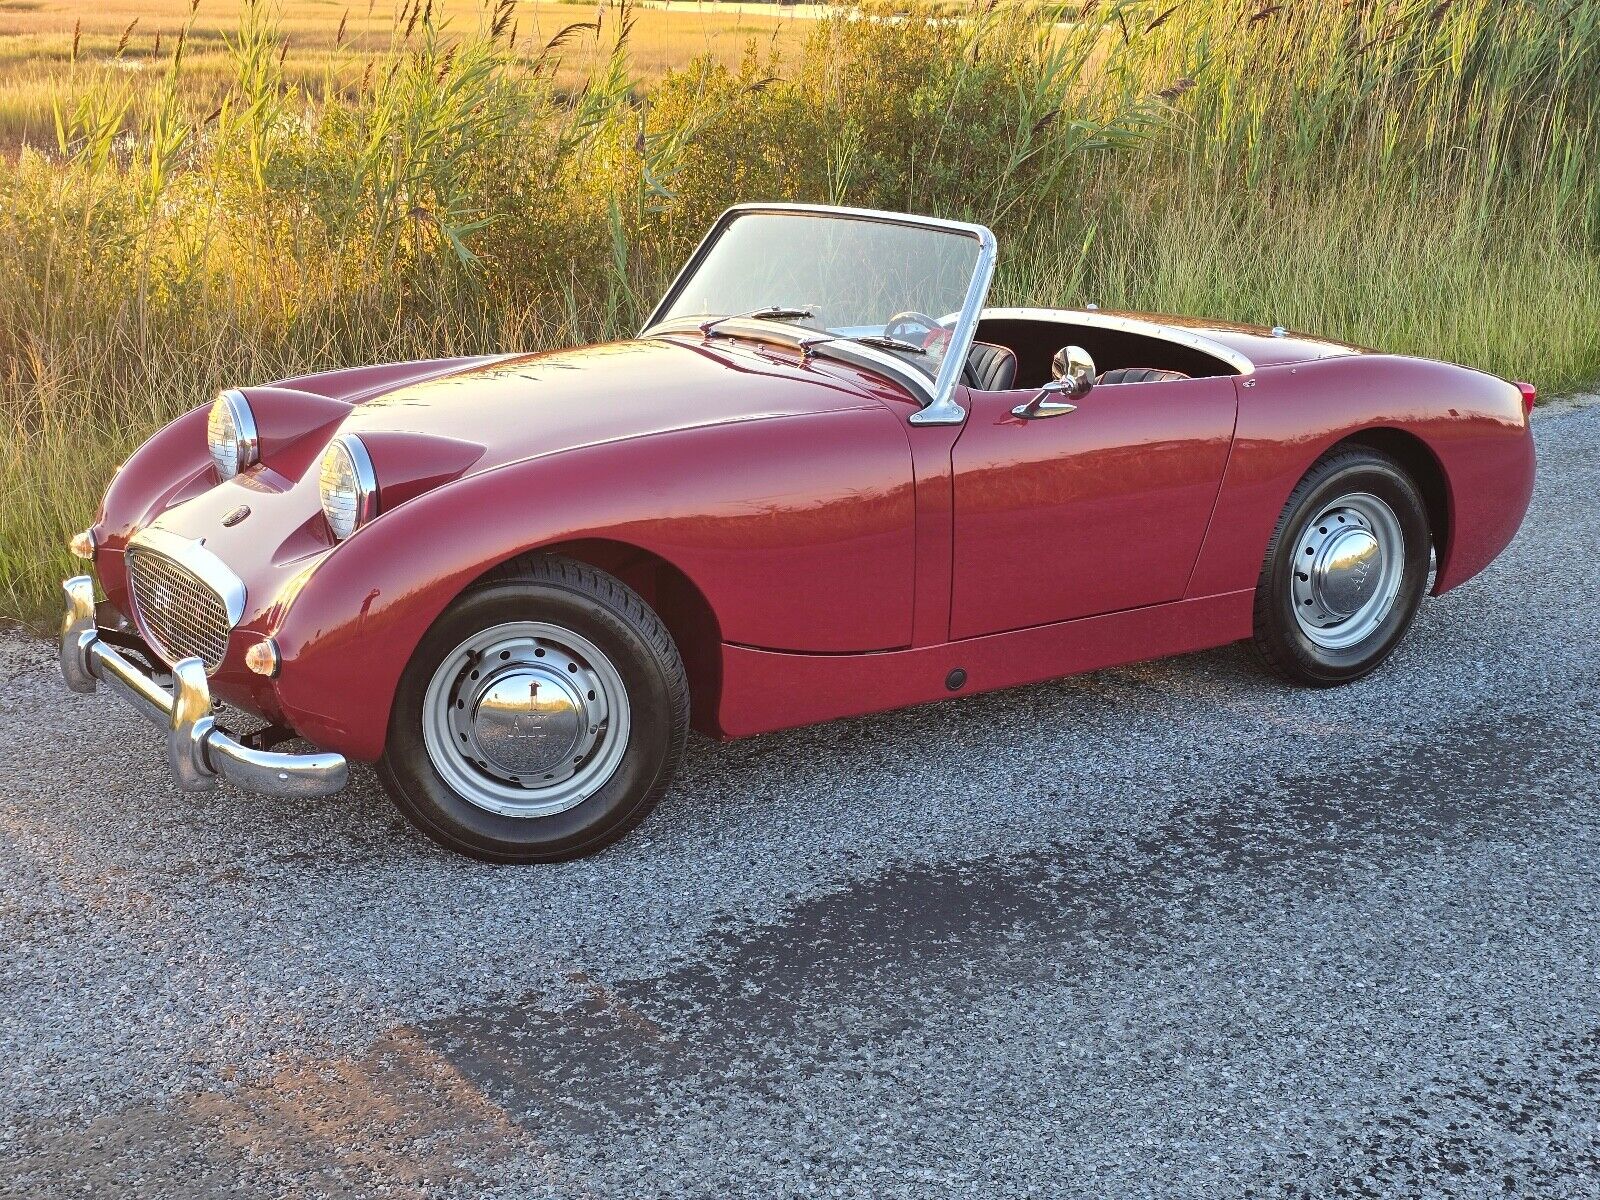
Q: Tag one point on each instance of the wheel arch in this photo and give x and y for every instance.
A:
(742, 512)
(668, 590)
(1422, 465)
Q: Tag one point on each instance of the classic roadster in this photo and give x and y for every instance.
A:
(824, 480)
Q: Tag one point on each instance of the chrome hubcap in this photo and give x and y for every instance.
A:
(1344, 573)
(523, 722)
(526, 719)
(1349, 562)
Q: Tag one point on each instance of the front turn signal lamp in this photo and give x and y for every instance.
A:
(263, 658)
(83, 545)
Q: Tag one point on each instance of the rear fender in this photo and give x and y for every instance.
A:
(1472, 424)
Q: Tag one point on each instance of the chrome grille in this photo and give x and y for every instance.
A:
(179, 613)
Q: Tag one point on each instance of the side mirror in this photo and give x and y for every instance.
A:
(1074, 376)
(1073, 367)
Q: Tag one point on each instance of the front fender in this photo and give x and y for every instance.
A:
(171, 466)
(797, 530)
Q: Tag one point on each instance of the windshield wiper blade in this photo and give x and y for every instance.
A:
(888, 343)
(808, 348)
(772, 312)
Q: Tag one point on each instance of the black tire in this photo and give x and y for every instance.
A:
(1138, 375)
(611, 616)
(1279, 640)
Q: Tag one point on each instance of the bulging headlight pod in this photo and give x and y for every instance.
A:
(349, 487)
(231, 434)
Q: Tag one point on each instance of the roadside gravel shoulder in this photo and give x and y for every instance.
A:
(850, 919)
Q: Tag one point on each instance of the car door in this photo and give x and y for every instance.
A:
(1091, 511)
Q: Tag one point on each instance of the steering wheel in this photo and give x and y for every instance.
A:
(912, 326)
(918, 327)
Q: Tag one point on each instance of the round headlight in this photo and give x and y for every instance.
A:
(349, 488)
(231, 434)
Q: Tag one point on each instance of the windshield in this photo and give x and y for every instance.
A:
(851, 276)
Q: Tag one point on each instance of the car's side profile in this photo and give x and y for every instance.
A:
(514, 582)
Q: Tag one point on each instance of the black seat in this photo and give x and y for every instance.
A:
(990, 368)
(1139, 375)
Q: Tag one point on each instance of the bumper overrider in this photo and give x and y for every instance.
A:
(198, 750)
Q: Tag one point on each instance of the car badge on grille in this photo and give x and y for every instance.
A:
(234, 517)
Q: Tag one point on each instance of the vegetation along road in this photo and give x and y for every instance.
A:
(1168, 930)
(238, 192)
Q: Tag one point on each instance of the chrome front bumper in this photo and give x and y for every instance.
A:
(198, 751)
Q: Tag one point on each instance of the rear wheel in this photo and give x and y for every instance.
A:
(541, 717)
(1345, 570)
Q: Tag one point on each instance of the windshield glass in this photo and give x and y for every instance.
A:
(853, 275)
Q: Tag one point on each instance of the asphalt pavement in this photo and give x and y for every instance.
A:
(1172, 930)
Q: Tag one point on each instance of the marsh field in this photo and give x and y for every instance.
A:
(235, 192)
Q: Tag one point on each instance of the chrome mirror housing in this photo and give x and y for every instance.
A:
(1074, 376)
(1073, 367)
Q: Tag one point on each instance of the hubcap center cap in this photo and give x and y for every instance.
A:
(1347, 572)
(529, 719)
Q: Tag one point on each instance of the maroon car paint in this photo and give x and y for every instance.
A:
(1471, 425)
(763, 691)
(850, 559)
(1099, 510)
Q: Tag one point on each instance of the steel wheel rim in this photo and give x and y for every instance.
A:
(526, 719)
(1349, 563)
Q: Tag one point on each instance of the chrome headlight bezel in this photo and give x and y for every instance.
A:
(347, 486)
(231, 436)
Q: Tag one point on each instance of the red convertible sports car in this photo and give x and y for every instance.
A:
(823, 480)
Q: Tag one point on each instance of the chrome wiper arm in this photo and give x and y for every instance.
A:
(772, 312)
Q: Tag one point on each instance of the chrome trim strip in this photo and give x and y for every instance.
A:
(197, 750)
(247, 446)
(941, 407)
(206, 566)
(366, 480)
(1103, 320)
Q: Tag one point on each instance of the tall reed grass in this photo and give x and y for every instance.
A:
(1421, 176)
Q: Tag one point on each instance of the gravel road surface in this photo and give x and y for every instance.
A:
(1176, 929)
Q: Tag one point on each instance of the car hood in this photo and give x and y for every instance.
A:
(524, 406)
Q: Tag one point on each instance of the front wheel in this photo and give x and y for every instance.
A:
(1345, 570)
(540, 718)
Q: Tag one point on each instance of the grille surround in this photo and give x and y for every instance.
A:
(179, 613)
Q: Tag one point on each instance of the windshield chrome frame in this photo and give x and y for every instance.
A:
(940, 406)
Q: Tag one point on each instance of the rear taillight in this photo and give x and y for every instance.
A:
(1529, 395)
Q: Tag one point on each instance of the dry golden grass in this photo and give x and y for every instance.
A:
(129, 41)
(662, 38)
(1409, 174)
